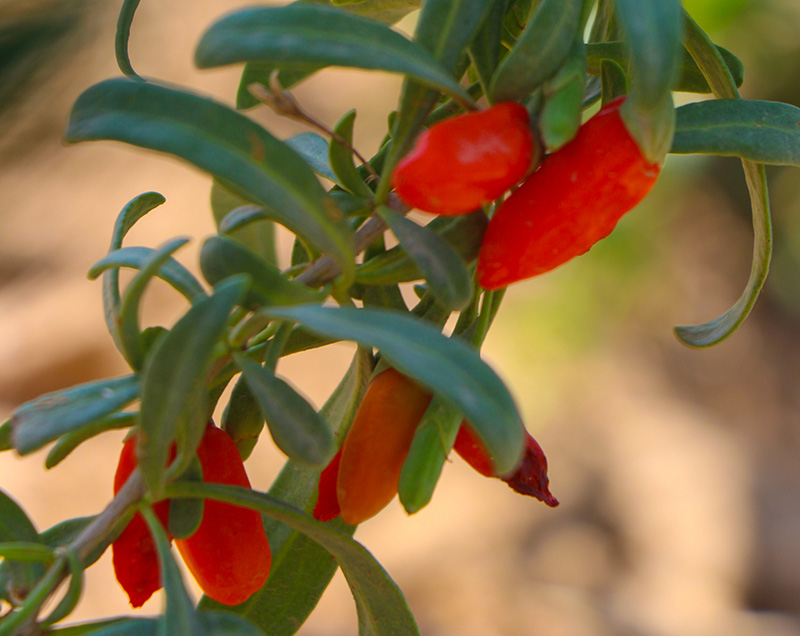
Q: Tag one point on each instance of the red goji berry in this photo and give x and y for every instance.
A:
(529, 478)
(461, 163)
(229, 554)
(327, 506)
(574, 199)
(133, 553)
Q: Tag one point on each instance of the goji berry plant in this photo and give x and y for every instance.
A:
(524, 131)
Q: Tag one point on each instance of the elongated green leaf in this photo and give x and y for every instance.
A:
(382, 610)
(242, 418)
(540, 51)
(5, 436)
(171, 271)
(299, 36)
(766, 132)
(432, 442)
(236, 150)
(448, 367)
(463, 233)
(653, 32)
(16, 526)
(47, 417)
(487, 45)
(123, 34)
(690, 78)
(560, 116)
(342, 160)
(439, 263)
(174, 378)
(129, 330)
(132, 212)
(74, 591)
(385, 11)
(70, 441)
(719, 78)
(260, 237)
(221, 258)
(179, 616)
(185, 515)
(301, 569)
(298, 430)
(26, 551)
(119, 626)
(314, 149)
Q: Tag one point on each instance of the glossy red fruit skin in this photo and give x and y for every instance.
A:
(461, 163)
(133, 553)
(229, 555)
(529, 478)
(574, 199)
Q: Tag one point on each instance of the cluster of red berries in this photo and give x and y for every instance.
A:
(570, 201)
(228, 555)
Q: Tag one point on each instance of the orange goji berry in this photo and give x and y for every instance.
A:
(378, 443)
(461, 163)
(574, 199)
(363, 476)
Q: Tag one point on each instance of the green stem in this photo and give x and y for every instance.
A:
(16, 621)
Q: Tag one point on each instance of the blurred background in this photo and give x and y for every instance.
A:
(677, 470)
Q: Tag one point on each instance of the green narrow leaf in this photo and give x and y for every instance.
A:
(761, 131)
(70, 441)
(26, 552)
(298, 36)
(382, 610)
(132, 212)
(297, 429)
(242, 418)
(341, 157)
(171, 271)
(6, 431)
(385, 11)
(111, 627)
(449, 367)
(74, 591)
(224, 143)
(179, 616)
(487, 45)
(185, 515)
(301, 569)
(432, 442)
(221, 258)
(439, 263)
(129, 330)
(690, 77)
(463, 233)
(560, 116)
(260, 237)
(122, 36)
(16, 526)
(314, 149)
(614, 81)
(653, 31)
(174, 391)
(540, 51)
(49, 416)
(719, 78)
